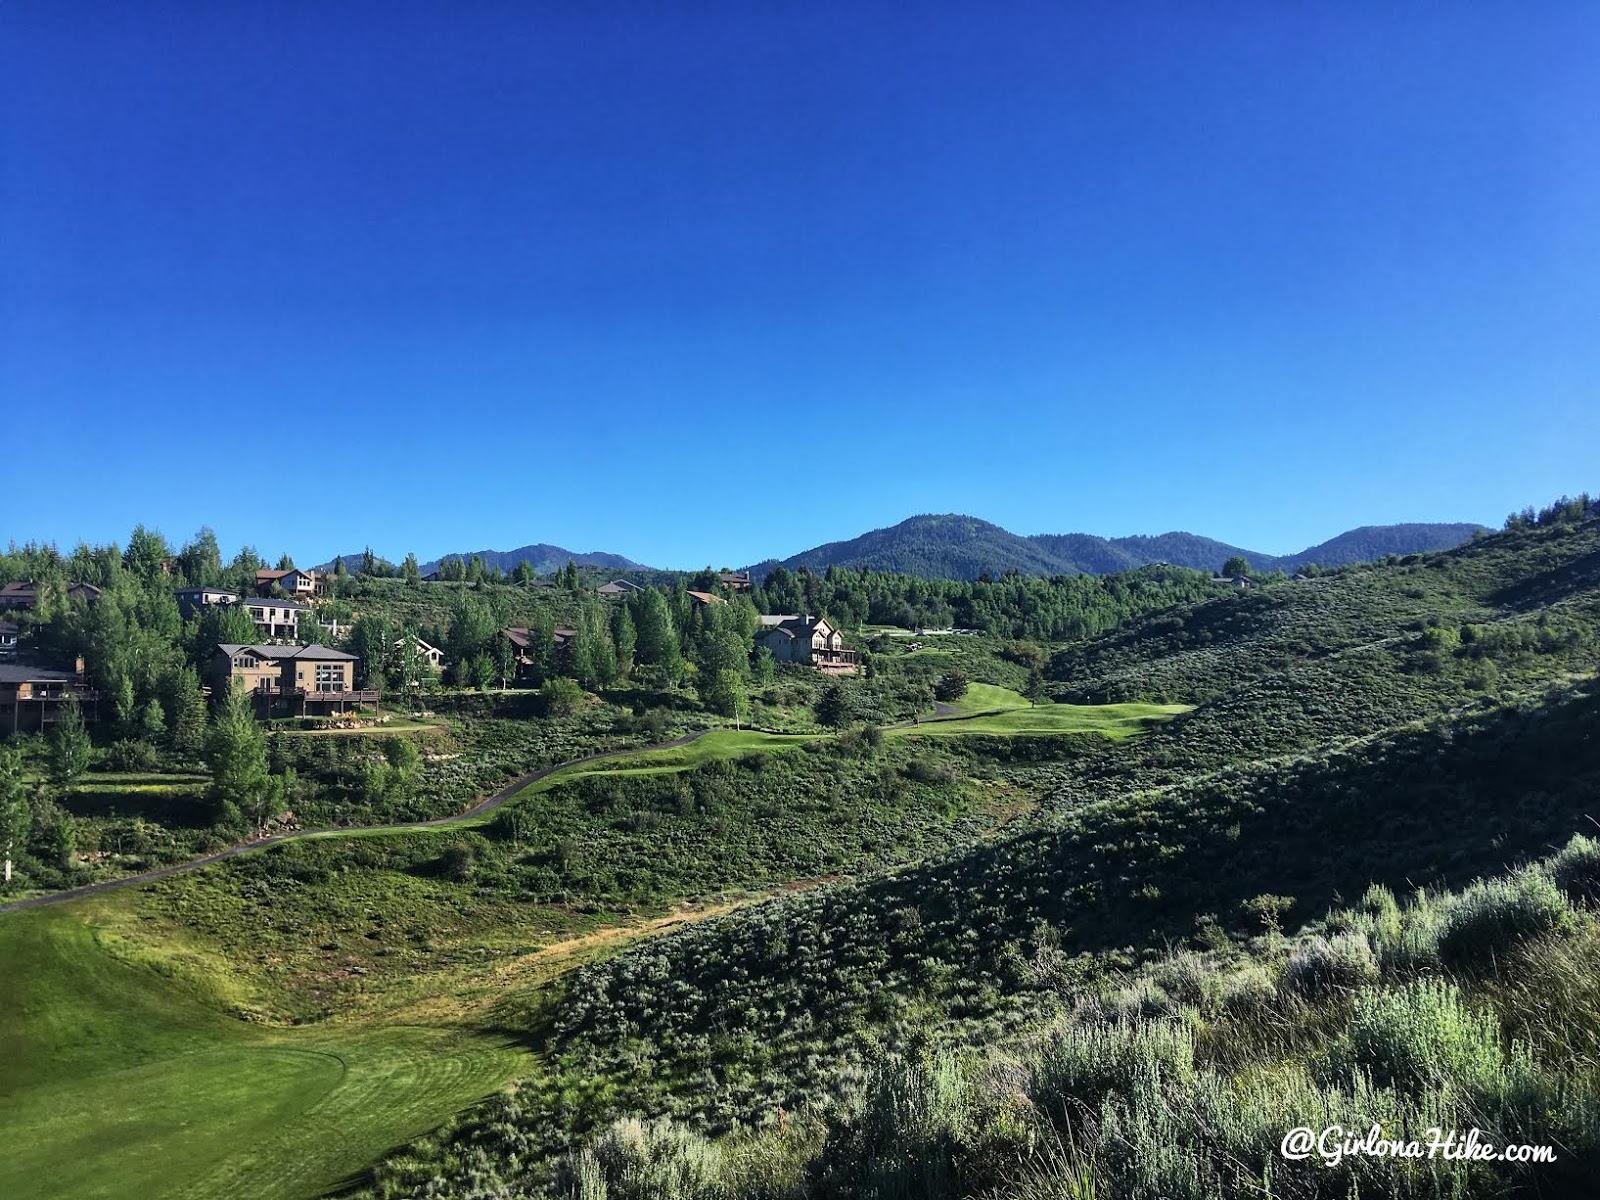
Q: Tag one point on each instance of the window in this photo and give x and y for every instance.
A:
(330, 677)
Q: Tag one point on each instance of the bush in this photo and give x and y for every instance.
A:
(130, 755)
(1190, 979)
(1324, 967)
(639, 1160)
(1493, 916)
(1417, 1037)
(1575, 869)
(560, 697)
(951, 686)
(1084, 1064)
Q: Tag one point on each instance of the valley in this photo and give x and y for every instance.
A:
(736, 925)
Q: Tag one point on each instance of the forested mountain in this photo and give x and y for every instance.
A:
(952, 546)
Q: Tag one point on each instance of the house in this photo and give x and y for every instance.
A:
(431, 655)
(618, 587)
(31, 698)
(193, 599)
(1239, 583)
(8, 639)
(25, 595)
(276, 620)
(291, 681)
(705, 598)
(809, 641)
(523, 647)
(304, 584)
(735, 581)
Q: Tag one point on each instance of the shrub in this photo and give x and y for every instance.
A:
(130, 755)
(639, 1160)
(1190, 979)
(1492, 916)
(950, 686)
(1416, 1037)
(1083, 1064)
(1247, 991)
(1324, 967)
(1576, 869)
(560, 697)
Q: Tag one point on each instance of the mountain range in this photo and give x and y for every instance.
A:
(953, 546)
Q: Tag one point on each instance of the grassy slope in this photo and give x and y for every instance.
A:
(129, 1076)
(125, 1076)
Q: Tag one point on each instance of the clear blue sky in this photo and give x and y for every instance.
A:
(707, 282)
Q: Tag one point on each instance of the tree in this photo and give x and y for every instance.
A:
(69, 746)
(951, 686)
(16, 814)
(524, 573)
(370, 641)
(727, 696)
(237, 754)
(124, 708)
(186, 710)
(1236, 566)
(626, 638)
(835, 707)
(505, 661)
(657, 637)
(410, 571)
(1035, 690)
(152, 724)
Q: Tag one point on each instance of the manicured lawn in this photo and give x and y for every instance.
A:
(124, 1076)
(1114, 721)
(981, 697)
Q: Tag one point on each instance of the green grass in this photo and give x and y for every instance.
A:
(996, 710)
(980, 697)
(125, 1076)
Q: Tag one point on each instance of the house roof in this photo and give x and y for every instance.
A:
(9, 627)
(311, 653)
(276, 603)
(421, 645)
(522, 638)
(705, 598)
(793, 626)
(22, 673)
(206, 591)
(28, 589)
(618, 587)
(771, 619)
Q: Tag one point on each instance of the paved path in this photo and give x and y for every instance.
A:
(489, 804)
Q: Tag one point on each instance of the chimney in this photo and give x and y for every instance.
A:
(80, 668)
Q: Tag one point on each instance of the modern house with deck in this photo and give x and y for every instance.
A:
(292, 681)
(808, 641)
(31, 698)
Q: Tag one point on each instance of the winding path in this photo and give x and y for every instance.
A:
(488, 804)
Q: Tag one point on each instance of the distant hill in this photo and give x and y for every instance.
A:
(546, 559)
(953, 546)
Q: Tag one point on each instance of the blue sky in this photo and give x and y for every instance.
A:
(707, 283)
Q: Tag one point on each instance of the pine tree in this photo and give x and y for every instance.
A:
(626, 638)
(186, 709)
(69, 746)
